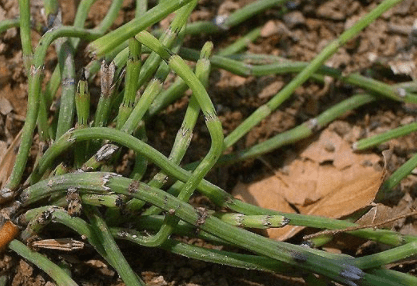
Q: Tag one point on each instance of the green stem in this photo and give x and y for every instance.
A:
(9, 23)
(300, 132)
(396, 178)
(241, 43)
(111, 40)
(141, 8)
(97, 235)
(24, 8)
(387, 256)
(107, 90)
(141, 163)
(67, 106)
(221, 23)
(36, 224)
(282, 66)
(33, 102)
(184, 135)
(212, 122)
(253, 221)
(325, 54)
(168, 38)
(151, 91)
(405, 279)
(175, 91)
(384, 137)
(111, 15)
(82, 105)
(80, 18)
(248, 11)
(307, 259)
(216, 194)
(7, 192)
(132, 73)
(246, 261)
(50, 268)
(105, 239)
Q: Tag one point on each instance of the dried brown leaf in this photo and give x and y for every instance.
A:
(330, 147)
(352, 196)
(327, 179)
(263, 193)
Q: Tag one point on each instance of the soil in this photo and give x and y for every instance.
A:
(386, 50)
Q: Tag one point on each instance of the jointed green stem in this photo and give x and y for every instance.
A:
(112, 201)
(108, 42)
(167, 39)
(7, 192)
(53, 20)
(246, 261)
(184, 135)
(212, 121)
(216, 194)
(221, 23)
(284, 66)
(253, 221)
(141, 162)
(95, 187)
(67, 106)
(35, 79)
(80, 18)
(286, 92)
(300, 132)
(35, 225)
(298, 256)
(82, 104)
(174, 92)
(152, 90)
(97, 235)
(132, 73)
(108, 88)
(154, 222)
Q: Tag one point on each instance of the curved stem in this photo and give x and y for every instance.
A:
(216, 194)
(35, 80)
(307, 259)
(110, 41)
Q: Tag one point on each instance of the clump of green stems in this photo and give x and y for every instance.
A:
(108, 200)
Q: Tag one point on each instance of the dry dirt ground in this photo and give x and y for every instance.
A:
(299, 35)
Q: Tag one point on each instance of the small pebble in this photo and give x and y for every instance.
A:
(329, 147)
(5, 106)
(294, 19)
